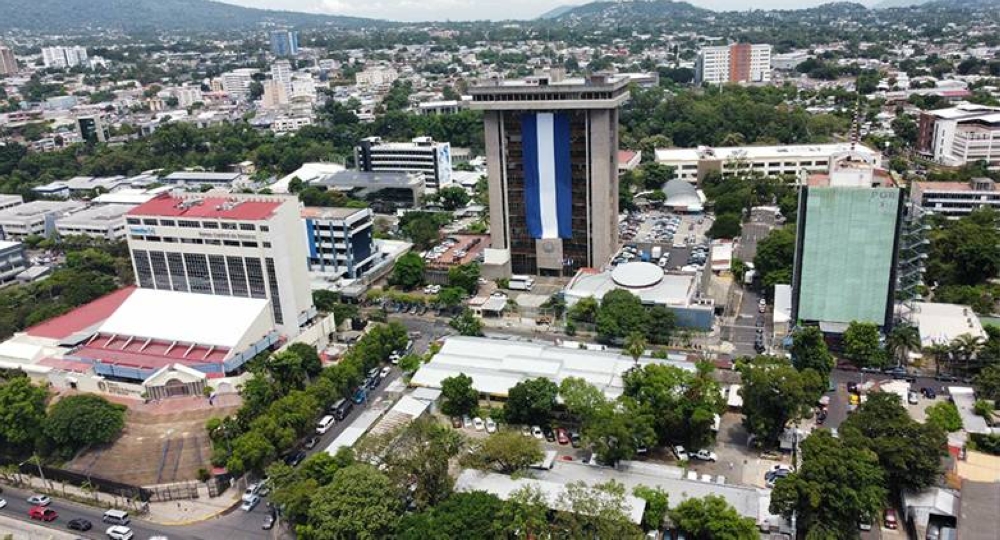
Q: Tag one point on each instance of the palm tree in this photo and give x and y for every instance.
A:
(940, 352)
(967, 346)
(900, 341)
(635, 346)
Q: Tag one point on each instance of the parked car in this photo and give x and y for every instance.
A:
(852, 387)
(821, 417)
(249, 505)
(268, 523)
(250, 492)
(478, 423)
(705, 455)
(79, 524)
(890, 520)
(3, 503)
(466, 421)
(491, 426)
(536, 432)
(681, 453)
(456, 422)
(562, 436)
(293, 460)
(40, 500)
(549, 434)
(385, 372)
(311, 443)
(928, 392)
(912, 398)
(42, 513)
(574, 439)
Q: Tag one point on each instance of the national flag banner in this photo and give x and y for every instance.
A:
(547, 175)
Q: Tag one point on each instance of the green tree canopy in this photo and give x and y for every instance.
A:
(408, 272)
(22, 412)
(620, 314)
(861, 345)
(465, 277)
(460, 398)
(83, 420)
(945, 416)
(809, 351)
(531, 401)
(775, 393)
(712, 518)
(360, 503)
(683, 404)
(474, 514)
(467, 324)
(775, 255)
(506, 452)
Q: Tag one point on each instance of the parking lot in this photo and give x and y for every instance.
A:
(677, 238)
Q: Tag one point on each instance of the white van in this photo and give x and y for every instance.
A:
(324, 424)
(116, 517)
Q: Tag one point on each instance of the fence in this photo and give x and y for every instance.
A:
(174, 491)
(87, 482)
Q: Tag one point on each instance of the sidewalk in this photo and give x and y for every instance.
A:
(191, 511)
(20, 530)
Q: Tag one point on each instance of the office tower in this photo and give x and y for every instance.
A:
(250, 246)
(737, 63)
(8, 64)
(236, 83)
(340, 240)
(284, 42)
(63, 57)
(552, 157)
(847, 242)
(422, 155)
(961, 135)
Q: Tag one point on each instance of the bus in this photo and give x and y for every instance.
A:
(520, 283)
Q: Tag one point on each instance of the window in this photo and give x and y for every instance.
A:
(255, 278)
(188, 224)
(250, 244)
(213, 242)
(231, 243)
(228, 226)
(132, 221)
(149, 221)
(209, 225)
(161, 278)
(248, 227)
(264, 228)
(272, 284)
(168, 223)
(220, 280)
(178, 277)
(267, 244)
(197, 271)
(237, 276)
(143, 273)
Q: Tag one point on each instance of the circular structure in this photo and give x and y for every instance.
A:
(637, 275)
(682, 196)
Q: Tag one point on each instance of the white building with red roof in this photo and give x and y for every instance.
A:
(245, 246)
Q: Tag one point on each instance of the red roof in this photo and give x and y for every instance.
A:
(209, 207)
(81, 318)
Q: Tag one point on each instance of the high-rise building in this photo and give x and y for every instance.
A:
(8, 64)
(284, 42)
(736, 63)
(92, 129)
(275, 94)
(249, 246)
(422, 155)
(237, 82)
(63, 57)
(552, 157)
(960, 135)
(340, 240)
(847, 246)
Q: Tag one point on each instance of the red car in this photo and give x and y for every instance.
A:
(562, 436)
(890, 519)
(43, 514)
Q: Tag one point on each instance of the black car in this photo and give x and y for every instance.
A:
(292, 460)
(821, 417)
(574, 439)
(549, 434)
(79, 524)
(852, 387)
(928, 392)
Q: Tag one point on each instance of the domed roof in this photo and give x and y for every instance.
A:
(681, 193)
(637, 275)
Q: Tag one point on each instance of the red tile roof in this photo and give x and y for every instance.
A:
(210, 208)
(81, 318)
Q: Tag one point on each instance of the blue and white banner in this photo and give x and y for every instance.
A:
(547, 175)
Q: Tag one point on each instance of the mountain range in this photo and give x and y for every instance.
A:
(72, 16)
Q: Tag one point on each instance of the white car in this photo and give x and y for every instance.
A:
(39, 500)
(249, 504)
(119, 532)
(385, 372)
(705, 455)
(478, 423)
(681, 453)
(3, 503)
(491, 426)
(536, 432)
(251, 492)
(526, 431)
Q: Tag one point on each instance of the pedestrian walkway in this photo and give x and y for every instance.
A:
(194, 510)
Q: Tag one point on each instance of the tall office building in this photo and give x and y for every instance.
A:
(63, 57)
(847, 246)
(284, 42)
(237, 82)
(422, 155)
(552, 157)
(92, 129)
(249, 246)
(8, 64)
(736, 63)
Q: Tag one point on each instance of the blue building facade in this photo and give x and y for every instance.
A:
(284, 42)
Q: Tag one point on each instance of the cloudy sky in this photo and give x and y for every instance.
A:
(426, 10)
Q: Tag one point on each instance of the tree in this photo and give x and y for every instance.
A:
(945, 416)
(252, 451)
(460, 398)
(809, 352)
(712, 518)
(309, 358)
(22, 412)
(467, 324)
(635, 346)
(775, 393)
(621, 313)
(506, 452)
(987, 383)
(417, 460)
(360, 503)
(474, 514)
(966, 347)
(584, 310)
(581, 398)
(84, 420)
(836, 486)
(525, 514)
(619, 429)
(657, 504)
(861, 345)
(725, 226)
(408, 272)
(286, 371)
(900, 341)
(600, 511)
(531, 401)
(682, 404)
(909, 452)
(450, 296)
(465, 277)
(453, 197)
(775, 255)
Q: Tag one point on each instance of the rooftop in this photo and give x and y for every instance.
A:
(108, 212)
(756, 152)
(207, 176)
(317, 212)
(942, 323)
(496, 365)
(978, 517)
(253, 208)
(38, 208)
(370, 179)
(81, 318)
(654, 287)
